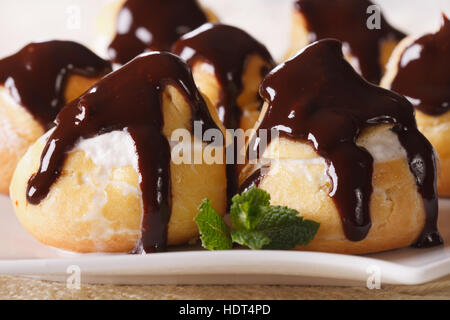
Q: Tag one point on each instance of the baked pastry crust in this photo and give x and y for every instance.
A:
(90, 210)
(297, 178)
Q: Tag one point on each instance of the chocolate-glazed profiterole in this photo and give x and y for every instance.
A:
(423, 72)
(34, 84)
(346, 20)
(37, 75)
(419, 70)
(317, 99)
(228, 50)
(228, 65)
(136, 98)
(144, 25)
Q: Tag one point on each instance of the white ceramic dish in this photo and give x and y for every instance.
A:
(21, 254)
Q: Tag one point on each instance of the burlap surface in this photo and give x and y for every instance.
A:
(23, 288)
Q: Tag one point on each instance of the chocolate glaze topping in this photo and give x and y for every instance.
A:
(129, 98)
(227, 49)
(346, 20)
(317, 97)
(423, 72)
(36, 75)
(144, 25)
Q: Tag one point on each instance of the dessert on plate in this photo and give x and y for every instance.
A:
(228, 65)
(103, 179)
(348, 154)
(35, 83)
(130, 27)
(419, 70)
(367, 49)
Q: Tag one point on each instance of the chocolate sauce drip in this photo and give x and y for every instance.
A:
(346, 20)
(423, 72)
(317, 97)
(228, 50)
(129, 98)
(36, 75)
(144, 25)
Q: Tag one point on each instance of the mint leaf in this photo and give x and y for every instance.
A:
(246, 209)
(252, 239)
(215, 234)
(285, 228)
(257, 224)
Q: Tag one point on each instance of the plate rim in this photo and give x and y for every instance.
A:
(232, 262)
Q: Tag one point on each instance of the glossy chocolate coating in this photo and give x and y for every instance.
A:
(129, 98)
(317, 97)
(346, 20)
(144, 25)
(423, 73)
(36, 75)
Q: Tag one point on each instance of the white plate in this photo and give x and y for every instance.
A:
(21, 254)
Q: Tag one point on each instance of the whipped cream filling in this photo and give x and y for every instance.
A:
(9, 136)
(383, 146)
(110, 150)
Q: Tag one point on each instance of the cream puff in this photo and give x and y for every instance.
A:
(104, 179)
(367, 42)
(130, 27)
(228, 66)
(34, 84)
(346, 154)
(419, 69)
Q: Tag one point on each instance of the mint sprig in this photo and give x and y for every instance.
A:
(256, 224)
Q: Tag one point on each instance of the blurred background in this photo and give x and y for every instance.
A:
(22, 21)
